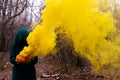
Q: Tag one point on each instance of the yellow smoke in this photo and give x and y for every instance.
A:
(84, 23)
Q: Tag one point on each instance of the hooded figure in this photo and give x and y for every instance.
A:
(22, 71)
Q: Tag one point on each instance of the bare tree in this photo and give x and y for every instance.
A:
(9, 10)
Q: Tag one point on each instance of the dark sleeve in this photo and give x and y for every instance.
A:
(34, 61)
(14, 50)
(12, 54)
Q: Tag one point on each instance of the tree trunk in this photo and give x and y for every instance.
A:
(2, 48)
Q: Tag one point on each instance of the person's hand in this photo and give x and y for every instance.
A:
(22, 59)
(27, 59)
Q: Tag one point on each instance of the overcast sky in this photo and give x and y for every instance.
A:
(36, 7)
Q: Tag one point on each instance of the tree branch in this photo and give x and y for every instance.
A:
(10, 18)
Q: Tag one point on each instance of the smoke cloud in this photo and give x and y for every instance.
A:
(84, 23)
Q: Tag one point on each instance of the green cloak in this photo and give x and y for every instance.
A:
(22, 71)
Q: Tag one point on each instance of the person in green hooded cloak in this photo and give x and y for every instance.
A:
(22, 71)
